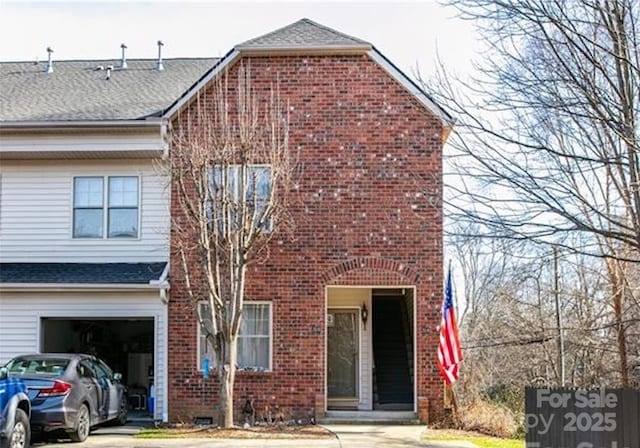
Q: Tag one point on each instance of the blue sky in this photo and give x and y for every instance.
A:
(407, 33)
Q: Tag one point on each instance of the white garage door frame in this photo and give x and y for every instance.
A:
(22, 314)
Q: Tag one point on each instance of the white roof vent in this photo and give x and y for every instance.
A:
(50, 63)
(123, 61)
(159, 66)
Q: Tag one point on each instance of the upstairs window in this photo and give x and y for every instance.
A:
(258, 186)
(116, 209)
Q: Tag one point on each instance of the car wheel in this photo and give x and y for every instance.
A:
(122, 413)
(18, 436)
(83, 425)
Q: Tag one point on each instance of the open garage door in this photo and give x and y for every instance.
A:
(127, 345)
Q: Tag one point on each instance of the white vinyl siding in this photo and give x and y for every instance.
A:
(21, 314)
(37, 208)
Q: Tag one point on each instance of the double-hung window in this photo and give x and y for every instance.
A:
(88, 207)
(110, 203)
(226, 186)
(123, 207)
(254, 339)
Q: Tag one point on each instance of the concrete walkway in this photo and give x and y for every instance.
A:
(347, 436)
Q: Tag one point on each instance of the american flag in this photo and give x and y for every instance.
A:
(449, 350)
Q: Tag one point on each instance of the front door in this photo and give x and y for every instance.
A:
(342, 354)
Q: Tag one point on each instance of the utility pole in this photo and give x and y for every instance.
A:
(556, 293)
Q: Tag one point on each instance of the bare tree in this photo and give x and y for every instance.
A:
(231, 173)
(547, 138)
(547, 141)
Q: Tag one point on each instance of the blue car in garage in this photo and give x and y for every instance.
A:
(15, 410)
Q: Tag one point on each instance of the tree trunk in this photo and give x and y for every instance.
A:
(227, 377)
(621, 338)
(618, 299)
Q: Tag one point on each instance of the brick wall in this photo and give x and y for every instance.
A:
(367, 211)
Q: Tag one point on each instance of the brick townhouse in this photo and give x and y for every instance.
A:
(342, 319)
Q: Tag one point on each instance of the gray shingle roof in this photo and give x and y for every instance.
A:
(77, 91)
(129, 273)
(302, 34)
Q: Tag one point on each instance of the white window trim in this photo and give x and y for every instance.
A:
(105, 207)
(247, 302)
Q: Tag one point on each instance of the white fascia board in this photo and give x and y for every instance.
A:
(447, 120)
(224, 63)
(83, 124)
(80, 287)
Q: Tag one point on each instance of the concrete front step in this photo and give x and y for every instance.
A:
(370, 417)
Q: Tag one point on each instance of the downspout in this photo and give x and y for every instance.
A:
(164, 139)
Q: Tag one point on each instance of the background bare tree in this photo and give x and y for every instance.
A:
(509, 332)
(231, 172)
(547, 139)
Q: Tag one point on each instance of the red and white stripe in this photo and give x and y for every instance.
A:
(449, 349)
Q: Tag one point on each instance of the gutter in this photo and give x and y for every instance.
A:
(82, 124)
(81, 286)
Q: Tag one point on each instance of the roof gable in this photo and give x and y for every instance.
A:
(308, 37)
(303, 34)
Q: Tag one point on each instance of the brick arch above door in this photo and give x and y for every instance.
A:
(370, 271)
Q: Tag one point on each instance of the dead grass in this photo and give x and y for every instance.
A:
(487, 418)
(255, 432)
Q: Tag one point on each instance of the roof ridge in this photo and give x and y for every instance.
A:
(327, 28)
(288, 37)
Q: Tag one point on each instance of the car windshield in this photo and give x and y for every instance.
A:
(38, 366)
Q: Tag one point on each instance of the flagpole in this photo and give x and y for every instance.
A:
(454, 401)
(449, 347)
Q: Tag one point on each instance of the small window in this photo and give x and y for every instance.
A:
(123, 207)
(88, 197)
(254, 340)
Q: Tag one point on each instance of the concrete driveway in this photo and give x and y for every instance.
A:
(347, 436)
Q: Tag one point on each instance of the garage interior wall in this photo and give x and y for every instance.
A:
(125, 344)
